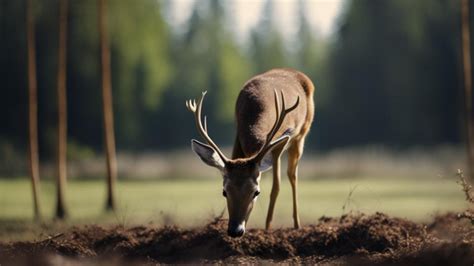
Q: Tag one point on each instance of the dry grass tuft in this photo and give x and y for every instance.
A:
(467, 188)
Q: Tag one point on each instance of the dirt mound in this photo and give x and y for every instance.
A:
(356, 239)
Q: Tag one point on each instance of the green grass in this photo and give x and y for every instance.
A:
(194, 202)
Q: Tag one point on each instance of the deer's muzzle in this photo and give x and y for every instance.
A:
(236, 230)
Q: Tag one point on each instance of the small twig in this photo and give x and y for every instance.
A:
(348, 198)
(465, 186)
(48, 240)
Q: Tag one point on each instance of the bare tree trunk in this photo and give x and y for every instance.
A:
(61, 212)
(466, 48)
(109, 134)
(32, 110)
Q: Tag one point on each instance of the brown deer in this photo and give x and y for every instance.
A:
(262, 135)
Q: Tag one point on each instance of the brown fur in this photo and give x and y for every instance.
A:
(255, 109)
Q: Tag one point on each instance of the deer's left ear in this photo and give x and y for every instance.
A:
(267, 162)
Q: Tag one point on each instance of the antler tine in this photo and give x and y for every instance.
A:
(282, 101)
(294, 105)
(280, 117)
(277, 118)
(196, 108)
(191, 107)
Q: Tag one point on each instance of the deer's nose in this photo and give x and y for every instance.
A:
(236, 231)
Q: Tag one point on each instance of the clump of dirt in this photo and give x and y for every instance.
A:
(354, 238)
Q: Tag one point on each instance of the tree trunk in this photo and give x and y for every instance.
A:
(466, 48)
(108, 118)
(61, 212)
(33, 157)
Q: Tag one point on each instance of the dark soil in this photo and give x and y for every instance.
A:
(350, 239)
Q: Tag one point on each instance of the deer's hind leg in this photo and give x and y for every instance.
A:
(295, 151)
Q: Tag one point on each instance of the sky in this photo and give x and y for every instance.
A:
(322, 14)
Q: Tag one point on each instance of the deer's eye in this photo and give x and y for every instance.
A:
(224, 193)
(256, 193)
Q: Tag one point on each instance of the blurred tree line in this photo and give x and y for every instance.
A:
(391, 74)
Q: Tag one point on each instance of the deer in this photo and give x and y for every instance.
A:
(265, 129)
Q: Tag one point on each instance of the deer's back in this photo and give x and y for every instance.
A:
(255, 107)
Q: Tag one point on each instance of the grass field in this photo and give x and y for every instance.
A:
(194, 202)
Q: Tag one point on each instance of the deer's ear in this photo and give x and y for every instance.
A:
(267, 162)
(207, 154)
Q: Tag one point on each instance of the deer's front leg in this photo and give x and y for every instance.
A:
(275, 187)
(294, 154)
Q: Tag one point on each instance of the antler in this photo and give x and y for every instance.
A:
(280, 116)
(202, 128)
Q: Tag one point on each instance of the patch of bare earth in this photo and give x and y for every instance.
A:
(350, 239)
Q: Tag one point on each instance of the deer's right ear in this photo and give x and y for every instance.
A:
(207, 154)
(266, 163)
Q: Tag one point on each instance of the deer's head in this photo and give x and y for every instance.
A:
(241, 177)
